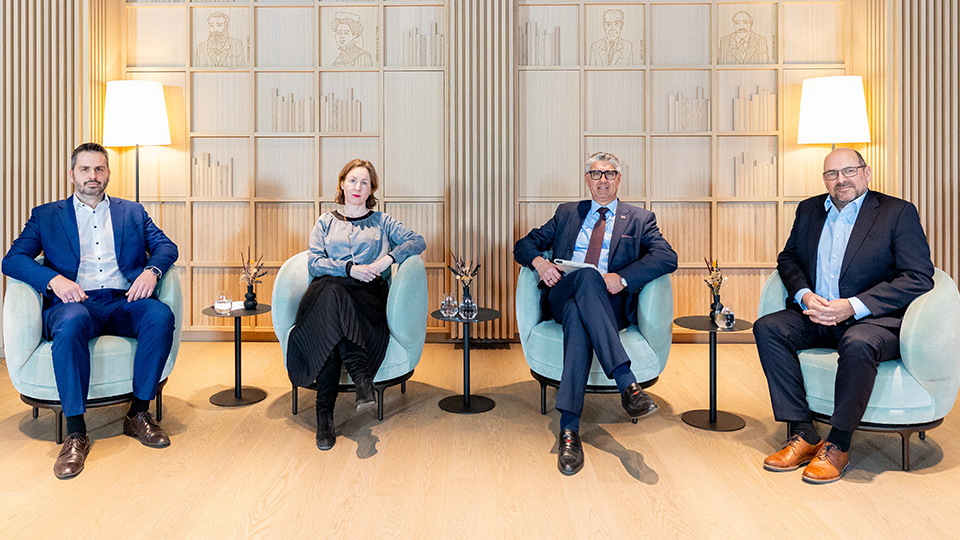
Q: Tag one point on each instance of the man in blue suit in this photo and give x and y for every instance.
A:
(625, 245)
(853, 262)
(103, 257)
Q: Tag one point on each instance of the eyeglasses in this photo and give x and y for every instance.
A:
(595, 174)
(848, 172)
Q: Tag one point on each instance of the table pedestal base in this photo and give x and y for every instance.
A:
(701, 419)
(228, 398)
(455, 404)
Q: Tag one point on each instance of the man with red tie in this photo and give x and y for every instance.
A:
(625, 245)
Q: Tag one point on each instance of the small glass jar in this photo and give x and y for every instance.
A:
(724, 318)
(448, 307)
(223, 304)
(468, 309)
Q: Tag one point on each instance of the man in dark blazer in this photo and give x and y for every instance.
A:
(624, 243)
(854, 260)
(103, 257)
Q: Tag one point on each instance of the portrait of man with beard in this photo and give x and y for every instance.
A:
(613, 49)
(743, 45)
(219, 49)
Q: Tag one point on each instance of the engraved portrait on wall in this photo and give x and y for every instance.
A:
(748, 34)
(349, 37)
(615, 35)
(222, 38)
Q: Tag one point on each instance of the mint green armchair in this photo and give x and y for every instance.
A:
(647, 343)
(30, 360)
(911, 394)
(406, 318)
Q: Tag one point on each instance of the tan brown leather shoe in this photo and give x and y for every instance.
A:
(143, 427)
(795, 452)
(72, 455)
(828, 466)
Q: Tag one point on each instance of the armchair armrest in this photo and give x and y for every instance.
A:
(655, 315)
(773, 296)
(527, 302)
(407, 302)
(22, 325)
(929, 342)
(291, 283)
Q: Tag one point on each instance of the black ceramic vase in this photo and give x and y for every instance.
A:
(250, 299)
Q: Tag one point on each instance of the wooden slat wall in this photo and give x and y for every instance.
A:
(929, 119)
(482, 195)
(52, 93)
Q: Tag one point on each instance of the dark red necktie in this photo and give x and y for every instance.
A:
(596, 238)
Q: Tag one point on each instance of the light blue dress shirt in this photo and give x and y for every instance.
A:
(830, 250)
(583, 238)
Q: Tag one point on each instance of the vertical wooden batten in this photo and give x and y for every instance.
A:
(929, 146)
(481, 189)
(51, 58)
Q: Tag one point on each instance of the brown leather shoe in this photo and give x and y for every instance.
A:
(72, 455)
(143, 427)
(796, 452)
(828, 466)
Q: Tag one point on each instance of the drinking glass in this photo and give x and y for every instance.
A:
(468, 308)
(448, 307)
(223, 303)
(725, 318)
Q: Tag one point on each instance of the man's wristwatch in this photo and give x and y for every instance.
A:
(623, 281)
(156, 271)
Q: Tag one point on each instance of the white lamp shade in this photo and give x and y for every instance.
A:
(135, 113)
(833, 110)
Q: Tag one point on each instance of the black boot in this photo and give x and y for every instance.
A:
(326, 436)
(366, 394)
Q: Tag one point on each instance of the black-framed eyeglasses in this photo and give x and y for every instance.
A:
(847, 172)
(595, 174)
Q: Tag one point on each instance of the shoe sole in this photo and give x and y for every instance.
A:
(571, 472)
(649, 412)
(366, 405)
(772, 468)
(325, 448)
(69, 476)
(817, 481)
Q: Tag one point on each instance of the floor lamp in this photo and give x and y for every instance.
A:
(135, 114)
(833, 110)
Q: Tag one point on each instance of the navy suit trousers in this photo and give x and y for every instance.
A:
(71, 326)
(591, 319)
(862, 346)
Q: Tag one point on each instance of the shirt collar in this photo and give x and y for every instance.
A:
(79, 205)
(612, 207)
(855, 204)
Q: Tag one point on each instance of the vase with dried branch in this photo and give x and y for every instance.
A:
(464, 271)
(715, 280)
(252, 272)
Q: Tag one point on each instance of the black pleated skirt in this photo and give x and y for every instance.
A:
(335, 308)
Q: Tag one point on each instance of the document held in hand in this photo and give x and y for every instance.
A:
(572, 266)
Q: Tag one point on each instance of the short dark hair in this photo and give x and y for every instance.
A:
(863, 162)
(374, 181)
(88, 147)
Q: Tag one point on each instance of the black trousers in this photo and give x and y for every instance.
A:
(346, 354)
(861, 345)
(591, 319)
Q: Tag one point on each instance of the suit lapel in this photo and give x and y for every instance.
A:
(570, 233)
(813, 240)
(68, 219)
(116, 218)
(865, 220)
(619, 224)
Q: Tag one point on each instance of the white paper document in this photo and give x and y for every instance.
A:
(571, 266)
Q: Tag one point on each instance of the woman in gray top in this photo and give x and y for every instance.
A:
(342, 318)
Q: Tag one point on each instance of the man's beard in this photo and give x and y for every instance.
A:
(741, 34)
(217, 39)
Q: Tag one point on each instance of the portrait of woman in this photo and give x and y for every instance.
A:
(347, 31)
(342, 318)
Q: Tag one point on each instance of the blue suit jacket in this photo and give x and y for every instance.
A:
(638, 252)
(886, 264)
(52, 230)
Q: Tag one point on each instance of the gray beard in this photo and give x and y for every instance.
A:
(217, 40)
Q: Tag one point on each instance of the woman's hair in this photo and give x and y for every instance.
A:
(355, 27)
(374, 181)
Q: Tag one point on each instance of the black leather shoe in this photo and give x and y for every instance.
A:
(570, 452)
(366, 394)
(143, 427)
(637, 403)
(72, 455)
(326, 436)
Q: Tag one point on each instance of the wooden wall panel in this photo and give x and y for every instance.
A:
(929, 103)
(225, 232)
(206, 282)
(687, 227)
(283, 230)
(747, 233)
(548, 137)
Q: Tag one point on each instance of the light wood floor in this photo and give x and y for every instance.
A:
(254, 472)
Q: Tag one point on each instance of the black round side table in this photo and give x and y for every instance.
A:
(240, 395)
(711, 418)
(467, 404)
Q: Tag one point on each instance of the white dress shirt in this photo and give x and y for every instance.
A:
(98, 255)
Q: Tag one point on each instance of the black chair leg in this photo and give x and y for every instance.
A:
(36, 412)
(159, 404)
(379, 404)
(923, 435)
(543, 398)
(59, 426)
(294, 400)
(905, 450)
(403, 387)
